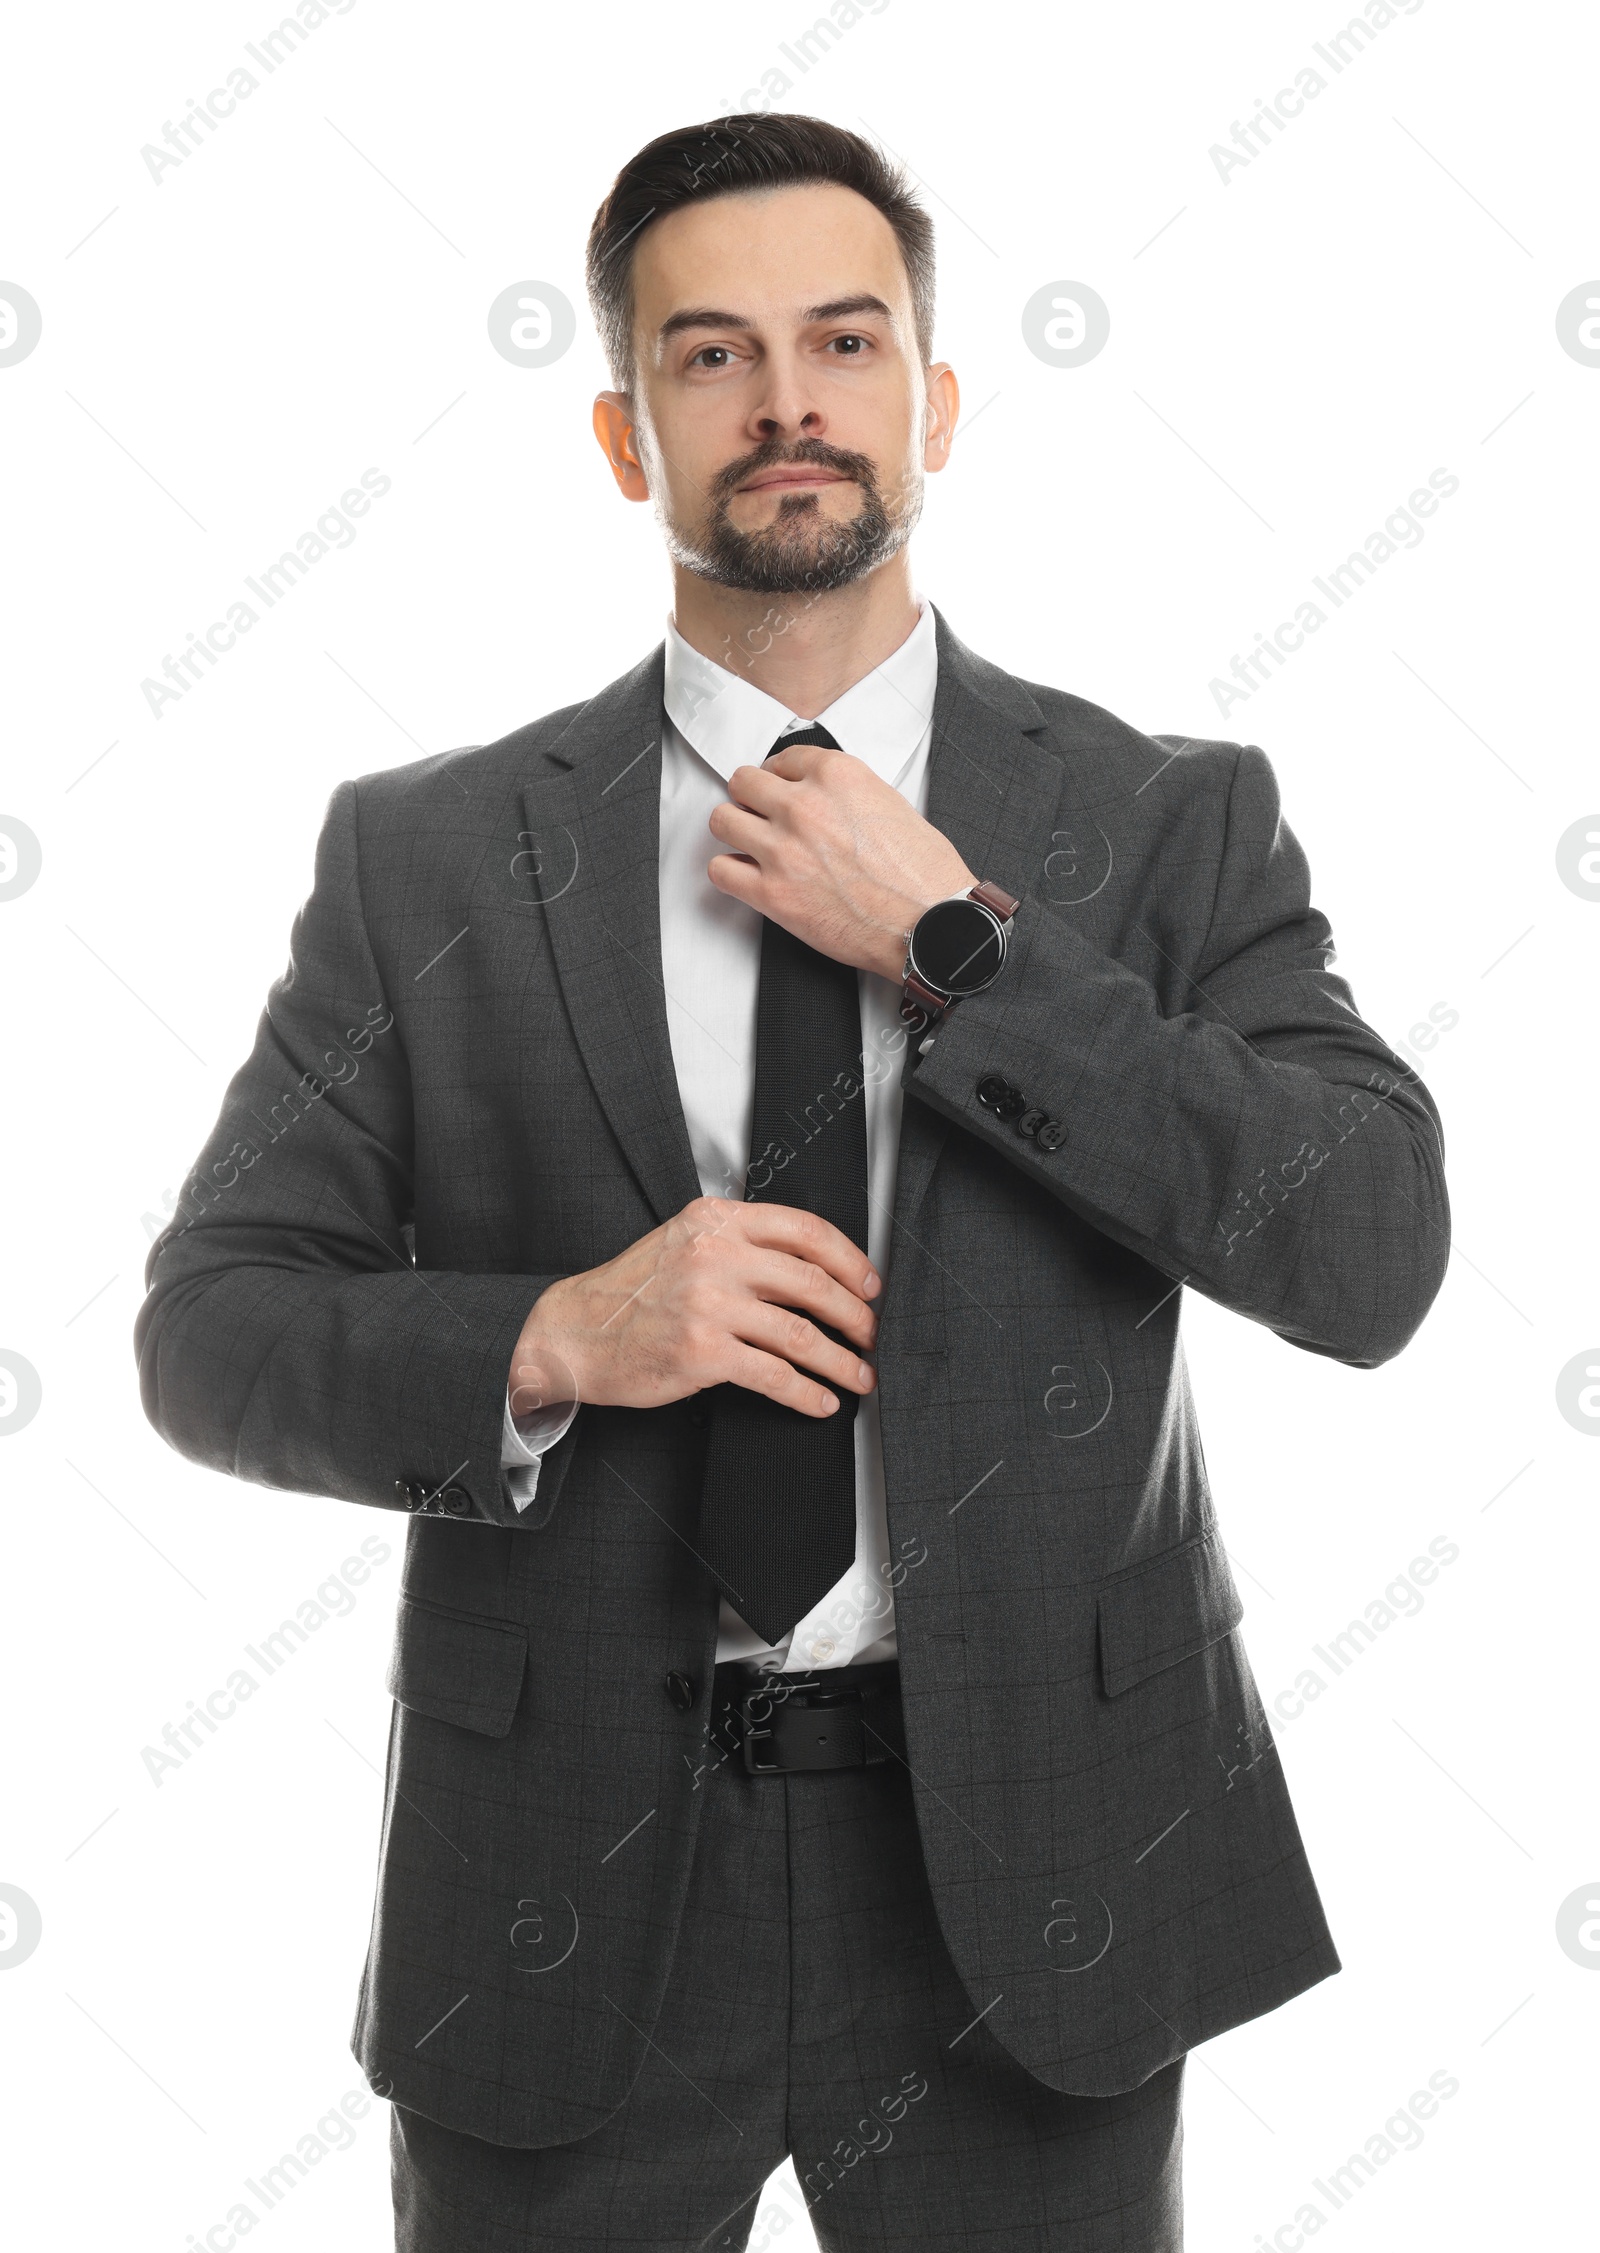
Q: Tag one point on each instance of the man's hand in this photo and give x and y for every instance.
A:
(820, 844)
(722, 1293)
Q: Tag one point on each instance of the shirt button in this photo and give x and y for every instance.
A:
(680, 1690)
(821, 1647)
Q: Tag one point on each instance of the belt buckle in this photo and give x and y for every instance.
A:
(820, 1695)
(751, 1733)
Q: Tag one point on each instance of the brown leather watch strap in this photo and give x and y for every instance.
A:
(990, 896)
(916, 999)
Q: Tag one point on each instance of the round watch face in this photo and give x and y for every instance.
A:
(957, 947)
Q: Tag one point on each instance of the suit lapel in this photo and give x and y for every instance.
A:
(592, 838)
(992, 790)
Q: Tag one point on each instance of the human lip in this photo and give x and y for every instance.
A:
(794, 474)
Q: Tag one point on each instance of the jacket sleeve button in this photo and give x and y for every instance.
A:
(1032, 1120)
(680, 1690)
(1051, 1135)
(457, 1501)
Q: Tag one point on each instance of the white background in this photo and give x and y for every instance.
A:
(1292, 351)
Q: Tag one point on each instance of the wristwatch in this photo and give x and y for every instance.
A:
(955, 948)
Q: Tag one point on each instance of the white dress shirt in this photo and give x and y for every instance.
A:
(716, 721)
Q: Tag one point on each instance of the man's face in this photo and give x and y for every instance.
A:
(779, 404)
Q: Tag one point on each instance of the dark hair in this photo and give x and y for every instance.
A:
(730, 156)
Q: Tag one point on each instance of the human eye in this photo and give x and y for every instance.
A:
(712, 356)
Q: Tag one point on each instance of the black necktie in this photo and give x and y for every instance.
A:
(778, 1502)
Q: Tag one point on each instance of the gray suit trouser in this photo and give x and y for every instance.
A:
(812, 2009)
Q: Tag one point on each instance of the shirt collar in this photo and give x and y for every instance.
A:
(731, 723)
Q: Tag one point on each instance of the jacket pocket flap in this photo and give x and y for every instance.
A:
(1166, 1611)
(457, 1666)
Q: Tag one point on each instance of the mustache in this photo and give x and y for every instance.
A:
(775, 452)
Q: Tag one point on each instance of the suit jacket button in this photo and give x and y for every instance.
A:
(680, 1690)
(1032, 1120)
(1051, 1135)
(406, 1493)
(457, 1501)
(992, 1091)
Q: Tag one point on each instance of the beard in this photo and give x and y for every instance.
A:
(801, 551)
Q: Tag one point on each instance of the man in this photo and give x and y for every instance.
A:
(725, 1159)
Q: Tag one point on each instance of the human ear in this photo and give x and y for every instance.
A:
(944, 405)
(614, 429)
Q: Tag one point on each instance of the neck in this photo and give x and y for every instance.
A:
(802, 650)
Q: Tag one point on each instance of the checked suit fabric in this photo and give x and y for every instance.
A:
(418, 1146)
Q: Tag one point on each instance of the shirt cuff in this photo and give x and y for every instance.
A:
(524, 1443)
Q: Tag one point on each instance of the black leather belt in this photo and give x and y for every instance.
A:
(790, 1724)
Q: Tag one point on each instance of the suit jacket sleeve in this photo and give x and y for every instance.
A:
(1261, 1142)
(287, 1336)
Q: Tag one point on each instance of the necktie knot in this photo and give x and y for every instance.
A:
(797, 738)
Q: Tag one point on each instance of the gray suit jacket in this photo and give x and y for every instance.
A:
(462, 1088)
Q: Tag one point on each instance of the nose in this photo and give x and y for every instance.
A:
(786, 407)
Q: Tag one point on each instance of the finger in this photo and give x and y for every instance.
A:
(779, 1380)
(783, 1280)
(740, 830)
(807, 1236)
(796, 762)
(780, 1330)
(765, 788)
(741, 879)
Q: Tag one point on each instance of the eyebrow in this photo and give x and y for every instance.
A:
(712, 317)
(841, 307)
